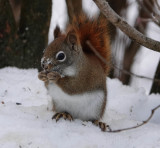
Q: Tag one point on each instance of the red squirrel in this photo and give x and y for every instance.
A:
(74, 75)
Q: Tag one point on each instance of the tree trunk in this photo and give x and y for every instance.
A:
(22, 46)
(156, 85)
(7, 33)
(74, 8)
(117, 6)
(133, 48)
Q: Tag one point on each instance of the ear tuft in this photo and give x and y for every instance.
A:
(71, 37)
(57, 32)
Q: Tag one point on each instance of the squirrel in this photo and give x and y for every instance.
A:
(75, 77)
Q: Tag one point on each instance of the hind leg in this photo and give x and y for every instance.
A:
(103, 126)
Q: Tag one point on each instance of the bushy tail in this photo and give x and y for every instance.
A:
(95, 31)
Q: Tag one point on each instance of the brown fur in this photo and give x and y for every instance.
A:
(91, 75)
(84, 81)
(90, 78)
(95, 31)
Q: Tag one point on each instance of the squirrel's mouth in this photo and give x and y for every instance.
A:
(55, 69)
(58, 70)
(48, 66)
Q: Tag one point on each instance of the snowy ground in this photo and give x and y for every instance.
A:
(25, 117)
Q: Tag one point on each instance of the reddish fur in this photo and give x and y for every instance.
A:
(94, 30)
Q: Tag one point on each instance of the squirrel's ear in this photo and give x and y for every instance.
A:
(71, 37)
(57, 32)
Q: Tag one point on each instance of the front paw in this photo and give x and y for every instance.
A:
(53, 76)
(43, 76)
(64, 115)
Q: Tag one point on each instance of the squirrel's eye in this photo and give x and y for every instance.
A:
(60, 56)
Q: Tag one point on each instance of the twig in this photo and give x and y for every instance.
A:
(70, 9)
(148, 12)
(146, 19)
(157, 4)
(114, 66)
(144, 122)
(157, 16)
(117, 21)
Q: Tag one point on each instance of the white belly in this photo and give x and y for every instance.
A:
(86, 106)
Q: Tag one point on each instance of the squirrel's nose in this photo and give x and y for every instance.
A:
(46, 66)
(43, 65)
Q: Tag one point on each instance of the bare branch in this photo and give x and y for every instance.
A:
(146, 20)
(114, 66)
(156, 15)
(144, 122)
(132, 33)
(148, 12)
(157, 4)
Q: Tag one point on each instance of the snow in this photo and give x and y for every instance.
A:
(90, 8)
(59, 17)
(26, 107)
(29, 124)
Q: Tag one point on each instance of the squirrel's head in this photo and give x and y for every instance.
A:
(62, 54)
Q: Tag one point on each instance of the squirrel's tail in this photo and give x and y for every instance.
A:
(95, 31)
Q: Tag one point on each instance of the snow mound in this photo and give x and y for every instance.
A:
(25, 116)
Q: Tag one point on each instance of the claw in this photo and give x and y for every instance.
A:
(42, 76)
(54, 116)
(65, 115)
(69, 117)
(96, 122)
(58, 117)
(102, 125)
